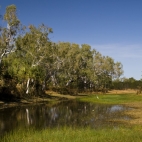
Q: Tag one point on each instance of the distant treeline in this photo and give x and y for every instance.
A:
(126, 83)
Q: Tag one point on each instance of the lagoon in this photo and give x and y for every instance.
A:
(62, 114)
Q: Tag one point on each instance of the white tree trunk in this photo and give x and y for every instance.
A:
(28, 119)
(28, 82)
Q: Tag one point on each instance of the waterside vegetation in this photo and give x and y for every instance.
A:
(109, 98)
(127, 134)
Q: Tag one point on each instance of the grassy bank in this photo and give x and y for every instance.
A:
(76, 135)
(128, 98)
(51, 96)
(112, 98)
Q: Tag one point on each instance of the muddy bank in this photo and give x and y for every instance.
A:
(134, 115)
(49, 97)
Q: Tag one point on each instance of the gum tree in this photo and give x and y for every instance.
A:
(8, 37)
(8, 34)
(32, 52)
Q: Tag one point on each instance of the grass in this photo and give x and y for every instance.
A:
(133, 134)
(112, 98)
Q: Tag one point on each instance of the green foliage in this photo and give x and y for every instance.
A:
(10, 16)
(126, 83)
(31, 59)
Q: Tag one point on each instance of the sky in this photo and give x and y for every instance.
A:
(112, 27)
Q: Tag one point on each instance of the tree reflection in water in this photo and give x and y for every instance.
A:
(67, 113)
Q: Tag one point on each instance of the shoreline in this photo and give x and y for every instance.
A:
(52, 97)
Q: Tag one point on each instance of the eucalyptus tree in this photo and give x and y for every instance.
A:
(61, 62)
(118, 70)
(55, 64)
(72, 69)
(105, 70)
(8, 34)
(32, 50)
(97, 65)
(72, 65)
(63, 67)
(35, 62)
(8, 37)
(79, 67)
(85, 66)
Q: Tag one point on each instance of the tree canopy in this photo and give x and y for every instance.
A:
(30, 62)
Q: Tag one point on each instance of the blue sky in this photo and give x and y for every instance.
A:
(112, 27)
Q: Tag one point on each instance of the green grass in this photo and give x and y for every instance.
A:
(133, 134)
(112, 98)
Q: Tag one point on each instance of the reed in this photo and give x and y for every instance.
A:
(67, 134)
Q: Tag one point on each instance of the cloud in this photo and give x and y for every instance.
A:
(118, 51)
(129, 55)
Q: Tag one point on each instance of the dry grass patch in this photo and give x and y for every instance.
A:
(135, 113)
(128, 91)
(55, 94)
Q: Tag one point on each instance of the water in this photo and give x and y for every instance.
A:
(67, 113)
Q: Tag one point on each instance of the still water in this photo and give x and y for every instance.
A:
(67, 113)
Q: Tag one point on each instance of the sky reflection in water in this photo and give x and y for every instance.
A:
(68, 113)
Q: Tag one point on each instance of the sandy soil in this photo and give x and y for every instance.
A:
(55, 94)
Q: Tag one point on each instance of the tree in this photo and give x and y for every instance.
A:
(31, 56)
(34, 63)
(105, 70)
(7, 45)
(8, 35)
